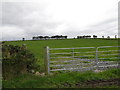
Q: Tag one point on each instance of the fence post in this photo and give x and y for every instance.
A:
(47, 64)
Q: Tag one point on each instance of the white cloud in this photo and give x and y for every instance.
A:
(67, 17)
(12, 33)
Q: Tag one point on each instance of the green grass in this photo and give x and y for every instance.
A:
(37, 47)
(59, 80)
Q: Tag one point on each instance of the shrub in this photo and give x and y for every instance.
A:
(16, 61)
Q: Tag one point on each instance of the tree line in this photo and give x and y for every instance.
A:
(86, 36)
(48, 37)
(64, 37)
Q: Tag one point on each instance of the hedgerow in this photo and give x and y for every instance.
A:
(16, 61)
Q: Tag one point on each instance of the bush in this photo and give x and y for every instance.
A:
(16, 61)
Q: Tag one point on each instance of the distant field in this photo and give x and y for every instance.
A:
(37, 46)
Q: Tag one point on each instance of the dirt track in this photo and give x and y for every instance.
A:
(98, 83)
(94, 83)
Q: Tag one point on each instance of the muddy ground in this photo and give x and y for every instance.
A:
(95, 83)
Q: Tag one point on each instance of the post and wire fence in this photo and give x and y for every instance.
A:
(81, 58)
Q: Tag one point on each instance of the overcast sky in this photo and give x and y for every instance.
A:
(73, 18)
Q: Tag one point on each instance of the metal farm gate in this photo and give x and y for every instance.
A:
(107, 57)
(81, 58)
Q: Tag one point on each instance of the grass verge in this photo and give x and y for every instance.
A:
(61, 80)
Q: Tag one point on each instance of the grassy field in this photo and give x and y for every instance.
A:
(106, 79)
(37, 46)
(61, 79)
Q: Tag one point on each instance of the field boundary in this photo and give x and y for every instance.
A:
(91, 62)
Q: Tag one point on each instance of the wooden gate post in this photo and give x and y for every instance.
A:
(46, 61)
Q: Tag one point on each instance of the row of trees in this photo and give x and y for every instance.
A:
(94, 36)
(65, 37)
(48, 37)
(88, 36)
